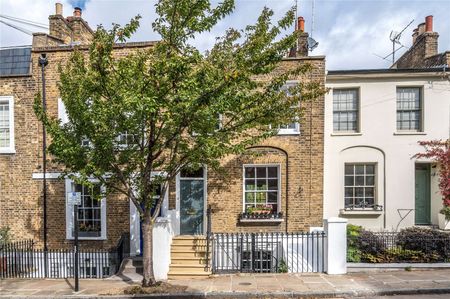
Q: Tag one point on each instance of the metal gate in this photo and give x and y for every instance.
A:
(268, 252)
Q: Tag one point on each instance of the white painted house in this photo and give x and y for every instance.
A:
(374, 120)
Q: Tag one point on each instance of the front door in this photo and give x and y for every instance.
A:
(192, 202)
(423, 204)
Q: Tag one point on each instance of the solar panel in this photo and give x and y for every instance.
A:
(15, 61)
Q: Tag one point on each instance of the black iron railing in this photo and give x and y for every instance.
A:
(268, 252)
(22, 260)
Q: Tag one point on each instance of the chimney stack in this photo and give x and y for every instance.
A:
(429, 24)
(77, 12)
(424, 46)
(58, 9)
(302, 42)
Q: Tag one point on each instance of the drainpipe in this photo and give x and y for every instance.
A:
(43, 61)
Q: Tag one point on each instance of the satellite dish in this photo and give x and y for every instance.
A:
(312, 43)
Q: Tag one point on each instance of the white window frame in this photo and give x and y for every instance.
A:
(62, 112)
(421, 109)
(278, 166)
(358, 112)
(11, 148)
(70, 216)
(296, 130)
(375, 184)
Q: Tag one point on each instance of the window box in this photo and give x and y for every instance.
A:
(376, 210)
(261, 217)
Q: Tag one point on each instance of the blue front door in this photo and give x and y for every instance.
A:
(192, 202)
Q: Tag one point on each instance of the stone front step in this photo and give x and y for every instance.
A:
(189, 260)
(131, 269)
(188, 257)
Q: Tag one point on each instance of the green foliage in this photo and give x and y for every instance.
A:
(353, 255)
(353, 252)
(414, 245)
(5, 235)
(282, 267)
(426, 240)
(445, 211)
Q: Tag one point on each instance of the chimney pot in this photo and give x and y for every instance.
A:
(421, 28)
(429, 24)
(77, 12)
(58, 9)
(301, 24)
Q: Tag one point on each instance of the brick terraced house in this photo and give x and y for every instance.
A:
(287, 173)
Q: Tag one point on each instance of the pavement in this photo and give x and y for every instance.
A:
(301, 285)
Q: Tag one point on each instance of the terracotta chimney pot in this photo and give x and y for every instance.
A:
(301, 24)
(429, 24)
(77, 12)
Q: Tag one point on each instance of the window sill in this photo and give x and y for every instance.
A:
(361, 212)
(7, 151)
(346, 134)
(409, 133)
(288, 133)
(89, 238)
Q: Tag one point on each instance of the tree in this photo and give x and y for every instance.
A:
(165, 102)
(439, 151)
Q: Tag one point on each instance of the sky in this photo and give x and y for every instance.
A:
(351, 33)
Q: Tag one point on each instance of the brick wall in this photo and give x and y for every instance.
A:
(303, 201)
(426, 45)
(21, 199)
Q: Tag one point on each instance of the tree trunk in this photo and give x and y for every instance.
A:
(147, 255)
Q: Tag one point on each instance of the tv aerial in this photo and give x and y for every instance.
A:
(312, 43)
(394, 37)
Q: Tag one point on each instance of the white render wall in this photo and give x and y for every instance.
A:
(379, 142)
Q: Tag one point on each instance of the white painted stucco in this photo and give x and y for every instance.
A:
(379, 142)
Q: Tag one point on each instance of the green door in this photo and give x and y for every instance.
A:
(423, 214)
(192, 202)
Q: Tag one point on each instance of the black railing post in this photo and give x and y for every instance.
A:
(76, 249)
(253, 246)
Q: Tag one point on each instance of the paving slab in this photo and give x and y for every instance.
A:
(248, 286)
